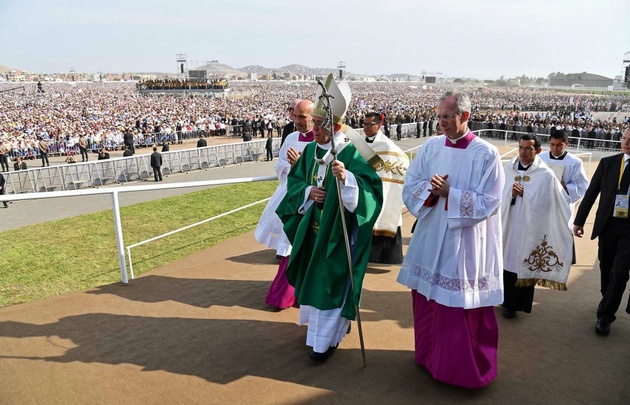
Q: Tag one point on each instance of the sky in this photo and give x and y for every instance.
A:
(475, 39)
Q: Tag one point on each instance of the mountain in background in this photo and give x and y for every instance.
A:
(220, 70)
(296, 69)
(216, 69)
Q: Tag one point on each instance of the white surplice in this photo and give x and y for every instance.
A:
(269, 231)
(573, 175)
(455, 254)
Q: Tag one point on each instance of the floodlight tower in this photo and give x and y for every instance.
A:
(341, 65)
(182, 61)
(625, 70)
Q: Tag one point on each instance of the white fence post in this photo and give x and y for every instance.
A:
(119, 239)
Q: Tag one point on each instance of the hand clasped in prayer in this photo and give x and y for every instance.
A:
(439, 185)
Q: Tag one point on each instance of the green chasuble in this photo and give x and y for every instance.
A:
(318, 265)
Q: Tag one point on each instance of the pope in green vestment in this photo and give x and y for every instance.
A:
(318, 266)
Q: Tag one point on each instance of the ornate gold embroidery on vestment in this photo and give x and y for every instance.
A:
(543, 258)
(315, 227)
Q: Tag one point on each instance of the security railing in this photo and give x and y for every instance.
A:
(138, 167)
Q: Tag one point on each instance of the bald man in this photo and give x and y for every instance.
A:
(290, 127)
(269, 231)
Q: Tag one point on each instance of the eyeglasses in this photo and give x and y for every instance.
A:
(369, 124)
(446, 117)
(318, 124)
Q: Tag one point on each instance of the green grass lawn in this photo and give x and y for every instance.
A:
(78, 253)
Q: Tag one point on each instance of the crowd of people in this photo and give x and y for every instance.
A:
(104, 112)
(182, 84)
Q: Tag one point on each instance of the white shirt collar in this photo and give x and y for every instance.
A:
(454, 141)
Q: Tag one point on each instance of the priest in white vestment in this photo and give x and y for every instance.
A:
(269, 231)
(454, 262)
(391, 168)
(537, 242)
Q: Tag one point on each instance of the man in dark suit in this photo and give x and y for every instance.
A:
(612, 227)
(591, 134)
(202, 143)
(2, 189)
(156, 164)
(575, 134)
(269, 148)
(103, 154)
(128, 140)
(290, 127)
(19, 164)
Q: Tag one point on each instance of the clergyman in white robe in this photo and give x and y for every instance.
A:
(454, 261)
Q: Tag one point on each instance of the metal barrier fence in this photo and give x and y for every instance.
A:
(144, 140)
(122, 170)
(577, 143)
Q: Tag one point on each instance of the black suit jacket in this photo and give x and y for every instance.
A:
(288, 129)
(128, 138)
(156, 159)
(202, 143)
(2, 183)
(604, 183)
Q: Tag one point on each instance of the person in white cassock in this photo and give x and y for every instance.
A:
(391, 168)
(537, 241)
(269, 231)
(454, 261)
(568, 168)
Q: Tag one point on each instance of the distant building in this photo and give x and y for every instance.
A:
(580, 79)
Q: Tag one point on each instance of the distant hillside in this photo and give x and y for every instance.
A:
(294, 69)
(216, 69)
(219, 69)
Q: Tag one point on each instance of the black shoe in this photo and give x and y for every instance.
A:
(602, 327)
(508, 313)
(6, 205)
(322, 357)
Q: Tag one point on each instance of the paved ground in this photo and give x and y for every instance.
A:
(197, 331)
